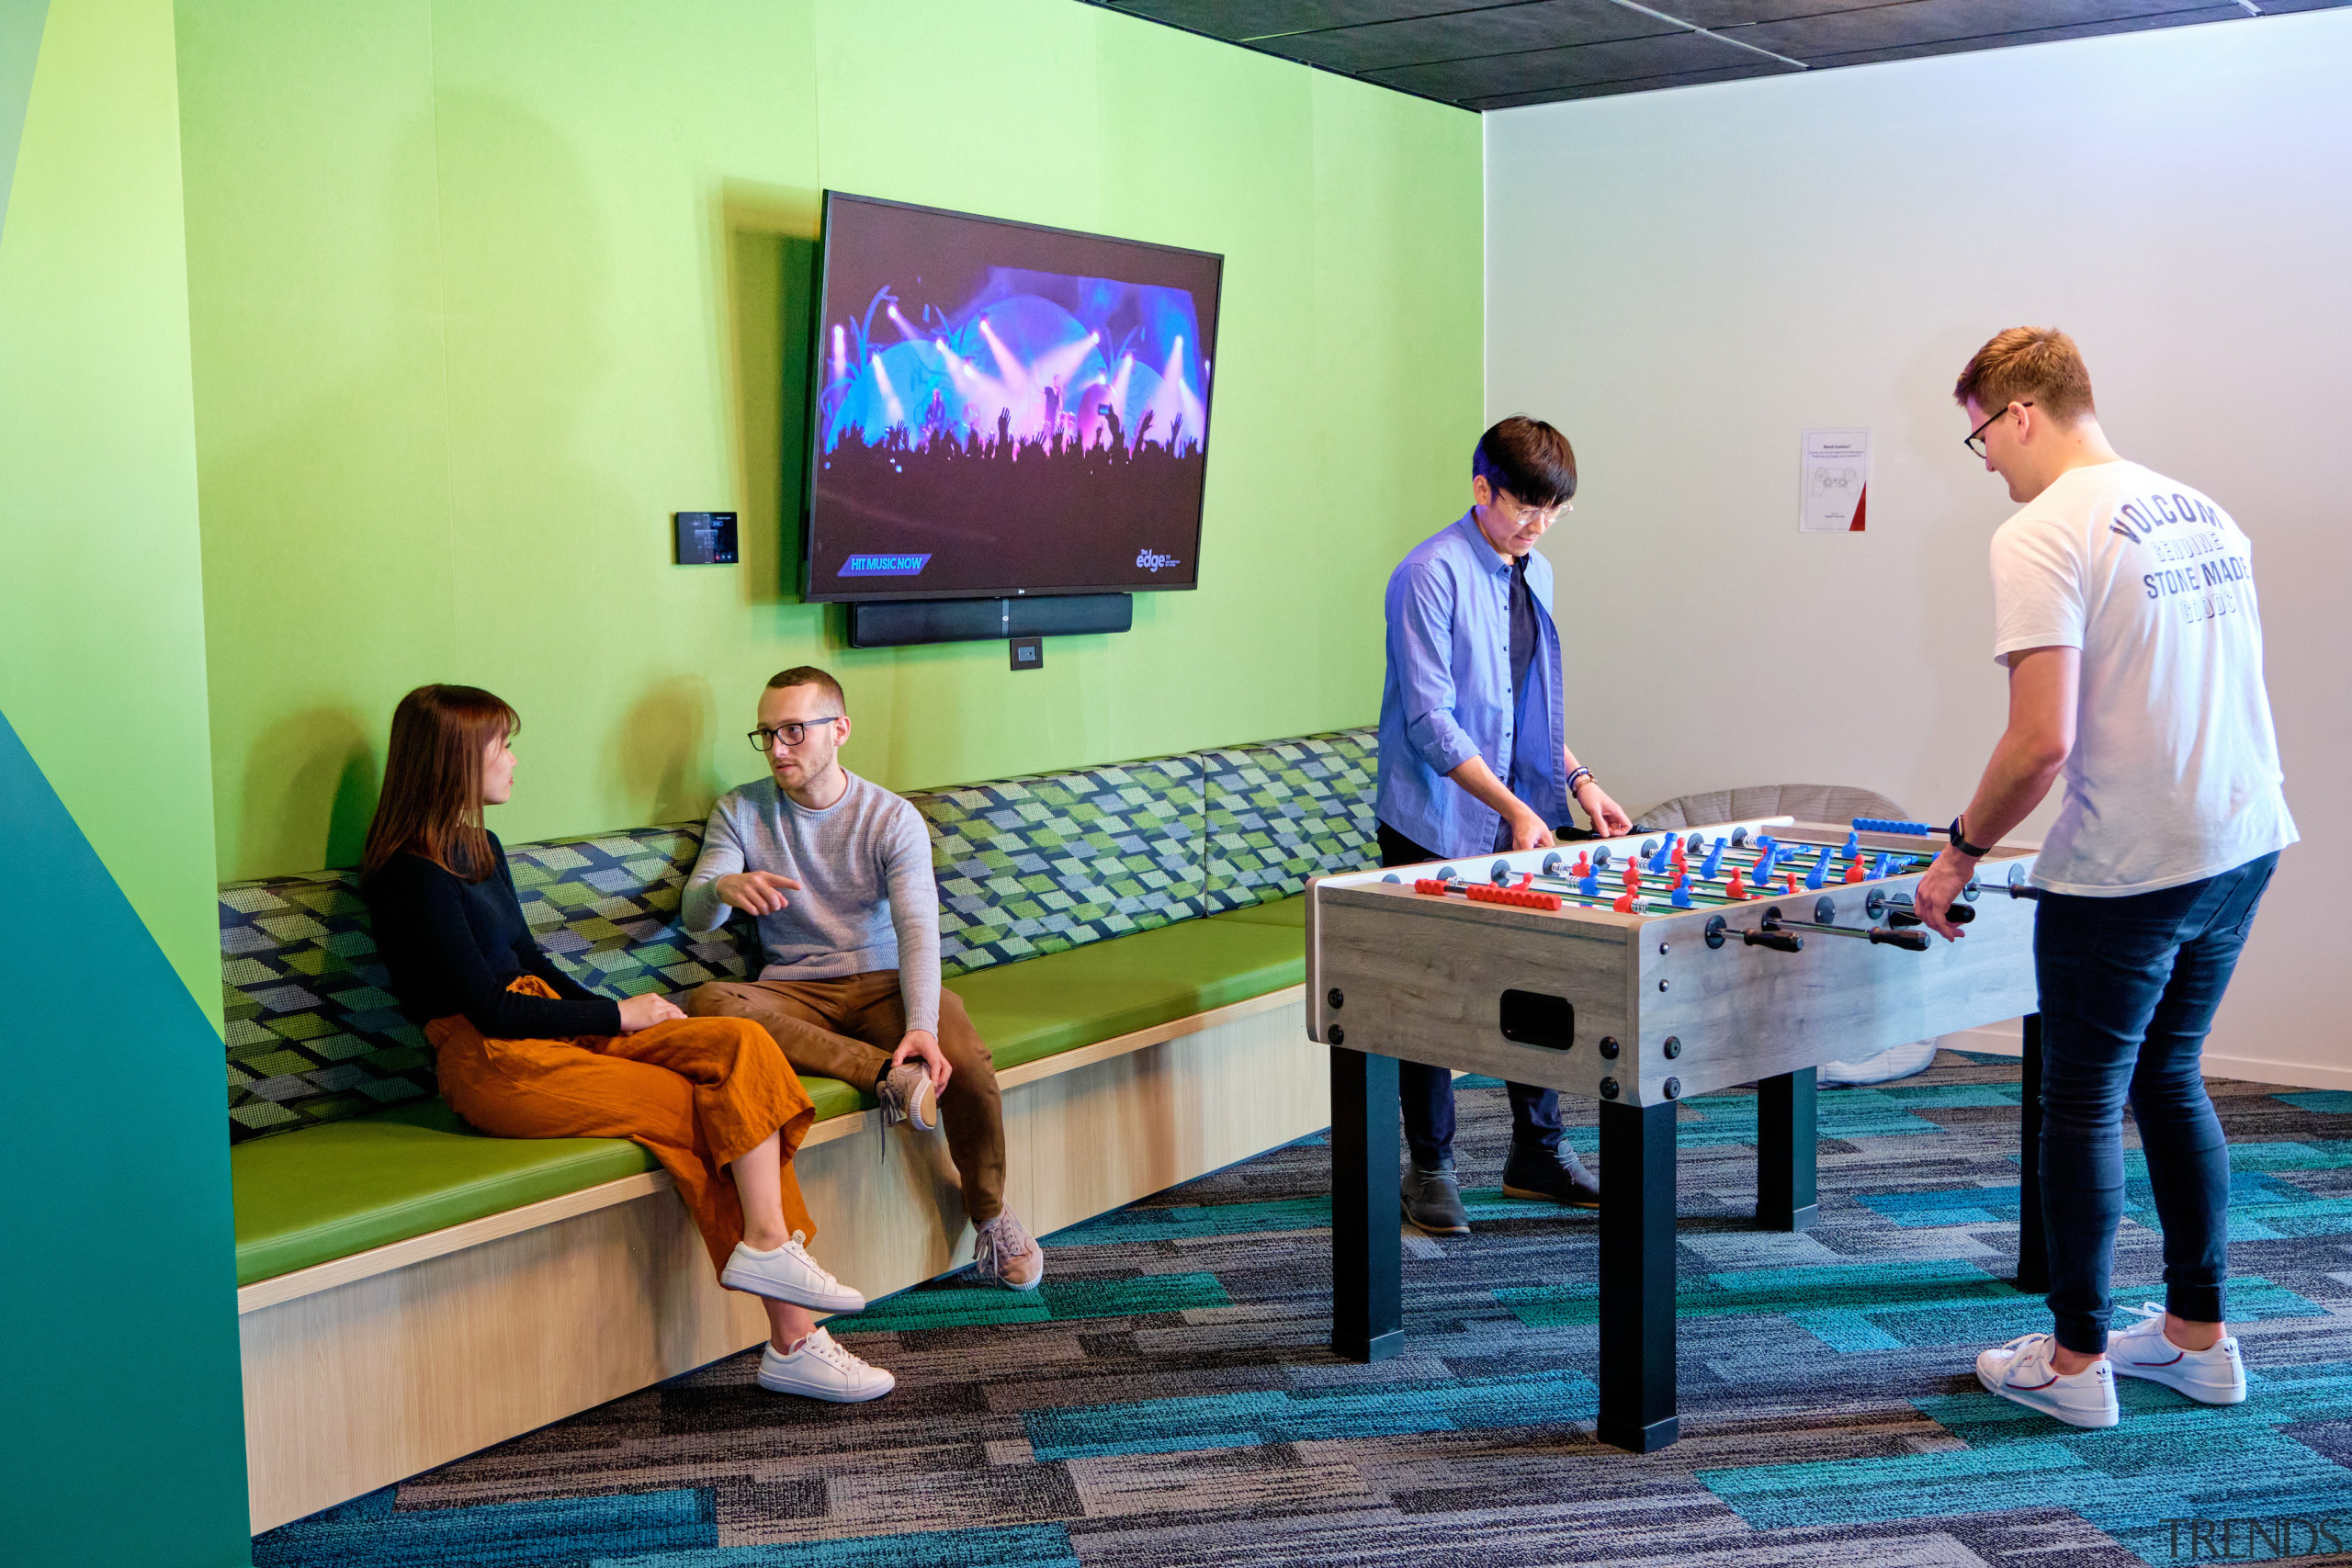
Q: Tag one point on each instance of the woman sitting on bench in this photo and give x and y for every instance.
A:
(524, 1052)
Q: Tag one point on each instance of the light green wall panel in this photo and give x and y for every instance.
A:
(484, 291)
(121, 1442)
(101, 609)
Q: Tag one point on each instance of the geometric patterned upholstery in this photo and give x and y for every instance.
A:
(1025, 867)
(314, 1034)
(1283, 812)
(1055, 860)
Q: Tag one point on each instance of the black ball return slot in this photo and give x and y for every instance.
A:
(1532, 1018)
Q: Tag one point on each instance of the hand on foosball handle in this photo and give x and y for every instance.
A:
(1609, 819)
(1529, 831)
(1944, 883)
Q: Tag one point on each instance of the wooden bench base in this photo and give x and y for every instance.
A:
(374, 1368)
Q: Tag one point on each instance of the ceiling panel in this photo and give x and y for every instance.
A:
(1483, 54)
(1244, 19)
(1504, 29)
(1625, 60)
(1761, 67)
(1937, 22)
(2206, 13)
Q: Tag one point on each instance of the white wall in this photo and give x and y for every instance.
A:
(1685, 281)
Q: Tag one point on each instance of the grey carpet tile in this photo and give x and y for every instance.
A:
(1180, 1406)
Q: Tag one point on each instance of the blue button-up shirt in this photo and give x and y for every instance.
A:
(1448, 696)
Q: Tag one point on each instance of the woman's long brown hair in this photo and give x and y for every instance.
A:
(432, 800)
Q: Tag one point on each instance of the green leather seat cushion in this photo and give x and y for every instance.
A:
(1043, 1007)
(328, 1191)
(324, 1192)
(1290, 912)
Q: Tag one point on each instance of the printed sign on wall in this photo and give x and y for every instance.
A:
(1836, 481)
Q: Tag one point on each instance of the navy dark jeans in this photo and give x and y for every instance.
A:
(2129, 988)
(1427, 1093)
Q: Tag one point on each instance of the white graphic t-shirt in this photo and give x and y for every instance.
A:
(2175, 774)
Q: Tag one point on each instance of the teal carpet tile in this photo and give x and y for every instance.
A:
(1168, 1399)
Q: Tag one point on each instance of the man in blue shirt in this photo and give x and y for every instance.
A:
(1474, 760)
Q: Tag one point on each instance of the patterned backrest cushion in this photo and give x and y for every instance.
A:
(1055, 860)
(1283, 812)
(314, 1034)
(1025, 866)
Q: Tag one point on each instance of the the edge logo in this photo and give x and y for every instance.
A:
(1152, 560)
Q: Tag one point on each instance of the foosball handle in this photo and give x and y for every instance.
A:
(1959, 915)
(1914, 941)
(1776, 940)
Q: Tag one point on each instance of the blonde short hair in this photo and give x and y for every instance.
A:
(2027, 364)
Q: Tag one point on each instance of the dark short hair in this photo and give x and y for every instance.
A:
(808, 676)
(1529, 459)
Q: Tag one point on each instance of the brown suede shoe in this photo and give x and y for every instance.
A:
(1008, 1254)
(907, 1095)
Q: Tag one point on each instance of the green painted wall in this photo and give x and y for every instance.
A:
(120, 1437)
(482, 292)
(101, 637)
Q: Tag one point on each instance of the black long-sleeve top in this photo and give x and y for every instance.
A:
(453, 946)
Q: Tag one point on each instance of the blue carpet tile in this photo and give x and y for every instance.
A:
(1167, 1399)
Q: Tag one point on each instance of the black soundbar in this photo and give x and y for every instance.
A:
(894, 623)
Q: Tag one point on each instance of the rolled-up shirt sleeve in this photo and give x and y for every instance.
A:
(1421, 648)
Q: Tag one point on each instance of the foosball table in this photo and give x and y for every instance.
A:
(1637, 971)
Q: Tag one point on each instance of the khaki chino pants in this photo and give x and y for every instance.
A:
(847, 1028)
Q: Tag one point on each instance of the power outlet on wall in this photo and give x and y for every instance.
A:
(1028, 653)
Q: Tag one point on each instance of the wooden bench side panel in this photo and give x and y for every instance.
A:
(366, 1382)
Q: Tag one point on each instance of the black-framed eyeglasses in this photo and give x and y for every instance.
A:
(1975, 442)
(764, 740)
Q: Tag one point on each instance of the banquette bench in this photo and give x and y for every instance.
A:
(1129, 940)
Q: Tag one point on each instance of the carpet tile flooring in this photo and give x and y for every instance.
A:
(1167, 1399)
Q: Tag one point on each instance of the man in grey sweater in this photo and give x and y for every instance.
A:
(836, 871)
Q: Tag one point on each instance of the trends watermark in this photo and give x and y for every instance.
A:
(1152, 560)
(2246, 1539)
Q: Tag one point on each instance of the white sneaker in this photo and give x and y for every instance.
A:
(822, 1368)
(2216, 1376)
(2020, 1370)
(788, 1274)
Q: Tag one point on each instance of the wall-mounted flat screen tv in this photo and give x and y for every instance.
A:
(1003, 410)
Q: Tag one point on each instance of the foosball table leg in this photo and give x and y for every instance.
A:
(1786, 1144)
(1637, 1277)
(1367, 1253)
(2034, 1253)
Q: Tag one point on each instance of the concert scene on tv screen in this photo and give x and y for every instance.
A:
(1001, 408)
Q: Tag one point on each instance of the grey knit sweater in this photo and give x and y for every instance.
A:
(866, 898)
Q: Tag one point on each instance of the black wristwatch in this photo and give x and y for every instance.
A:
(1974, 851)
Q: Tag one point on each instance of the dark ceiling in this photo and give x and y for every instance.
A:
(1481, 54)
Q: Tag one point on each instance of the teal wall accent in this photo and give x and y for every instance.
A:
(120, 1437)
(20, 24)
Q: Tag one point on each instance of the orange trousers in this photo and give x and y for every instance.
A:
(696, 1093)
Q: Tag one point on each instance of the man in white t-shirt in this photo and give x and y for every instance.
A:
(2125, 612)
